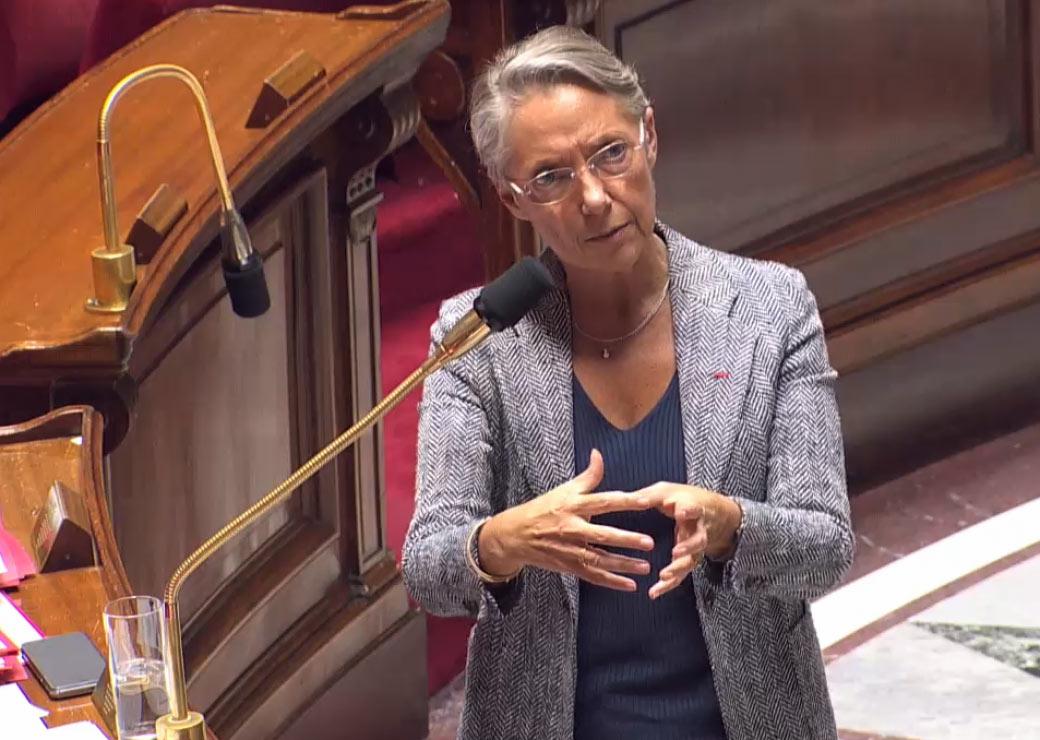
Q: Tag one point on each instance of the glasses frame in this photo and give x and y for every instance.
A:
(525, 189)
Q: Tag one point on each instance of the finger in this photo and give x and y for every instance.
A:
(591, 564)
(695, 545)
(585, 563)
(604, 503)
(607, 579)
(680, 505)
(614, 563)
(692, 542)
(660, 588)
(655, 495)
(678, 568)
(600, 534)
(591, 476)
(686, 511)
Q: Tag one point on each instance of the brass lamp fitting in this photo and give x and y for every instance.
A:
(114, 266)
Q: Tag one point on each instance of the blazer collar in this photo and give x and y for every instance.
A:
(694, 271)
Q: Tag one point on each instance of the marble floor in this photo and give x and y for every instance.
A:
(966, 668)
(936, 633)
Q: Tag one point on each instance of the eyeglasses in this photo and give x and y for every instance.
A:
(552, 186)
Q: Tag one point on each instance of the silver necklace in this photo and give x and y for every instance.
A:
(607, 342)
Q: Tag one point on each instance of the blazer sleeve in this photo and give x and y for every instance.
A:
(454, 478)
(798, 543)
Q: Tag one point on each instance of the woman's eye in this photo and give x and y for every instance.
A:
(546, 179)
(616, 150)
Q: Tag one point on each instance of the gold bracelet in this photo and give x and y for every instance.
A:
(471, 558)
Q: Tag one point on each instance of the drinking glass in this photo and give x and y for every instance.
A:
(134, 628)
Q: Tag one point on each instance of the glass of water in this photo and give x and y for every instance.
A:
(135, 631)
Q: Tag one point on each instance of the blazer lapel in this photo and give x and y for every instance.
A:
(546, 377)
(714, 357)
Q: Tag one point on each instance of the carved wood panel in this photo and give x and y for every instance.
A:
(261, 392)
(884, 147)
(773, 113)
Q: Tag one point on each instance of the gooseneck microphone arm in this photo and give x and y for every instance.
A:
(114, 265)
(500, 305)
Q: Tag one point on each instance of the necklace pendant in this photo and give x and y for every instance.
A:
(606, 353)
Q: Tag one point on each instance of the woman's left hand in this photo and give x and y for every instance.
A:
(705, 524)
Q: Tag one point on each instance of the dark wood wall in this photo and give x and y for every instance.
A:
(887, 149)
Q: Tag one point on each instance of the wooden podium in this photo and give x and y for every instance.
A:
(301, 628)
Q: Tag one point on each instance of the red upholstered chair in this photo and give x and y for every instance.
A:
(118, 22)
(41, 42)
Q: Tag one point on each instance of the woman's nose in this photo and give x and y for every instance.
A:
(594, 197)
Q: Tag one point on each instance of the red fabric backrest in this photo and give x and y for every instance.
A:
(118, 22)
(41, 43)
(44, 44)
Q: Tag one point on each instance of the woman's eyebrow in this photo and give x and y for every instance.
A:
(553, 161)
(604, 139)
(547, 162)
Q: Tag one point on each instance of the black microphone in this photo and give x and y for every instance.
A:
(507, 299)
(500, 305)
(243, 268)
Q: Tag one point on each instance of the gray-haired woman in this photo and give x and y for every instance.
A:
(660, 591)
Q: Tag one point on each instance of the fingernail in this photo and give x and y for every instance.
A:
(647, 543)
(644, 567)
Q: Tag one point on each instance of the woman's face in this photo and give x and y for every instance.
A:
(602, 224)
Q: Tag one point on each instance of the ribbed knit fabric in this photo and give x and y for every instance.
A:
(643, 668)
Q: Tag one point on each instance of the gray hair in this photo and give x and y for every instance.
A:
(554, 56)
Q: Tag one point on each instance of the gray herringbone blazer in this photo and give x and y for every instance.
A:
(760, 424)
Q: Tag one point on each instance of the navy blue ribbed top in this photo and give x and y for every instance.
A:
(643, 668)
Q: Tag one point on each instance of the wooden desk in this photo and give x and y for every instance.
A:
(301, 626)
(59, 446)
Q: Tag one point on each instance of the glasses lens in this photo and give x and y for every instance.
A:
(551, 186)
(613, 160)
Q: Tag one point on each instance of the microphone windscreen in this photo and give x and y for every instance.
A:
(506, 300)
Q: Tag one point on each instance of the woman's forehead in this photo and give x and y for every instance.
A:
(561, 117)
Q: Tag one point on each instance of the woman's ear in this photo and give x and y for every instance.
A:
(651, 137)
(509, 199)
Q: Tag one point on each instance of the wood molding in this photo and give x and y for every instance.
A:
(63, 445)
(956, 306)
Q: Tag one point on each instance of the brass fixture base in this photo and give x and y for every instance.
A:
(192, 727)
(114, 279)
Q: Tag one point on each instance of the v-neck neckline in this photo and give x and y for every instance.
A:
(672, 384)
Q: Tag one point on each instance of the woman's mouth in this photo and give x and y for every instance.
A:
(612, 235)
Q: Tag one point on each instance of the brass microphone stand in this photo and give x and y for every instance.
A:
(182, 723)
(114, 266)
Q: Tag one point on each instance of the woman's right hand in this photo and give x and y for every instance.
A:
(553, 532)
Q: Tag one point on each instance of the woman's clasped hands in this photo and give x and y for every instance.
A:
(706, 523)
(554, 532)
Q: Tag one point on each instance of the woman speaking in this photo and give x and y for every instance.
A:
(636, 490)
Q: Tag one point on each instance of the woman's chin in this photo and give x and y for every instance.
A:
(620, 253)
